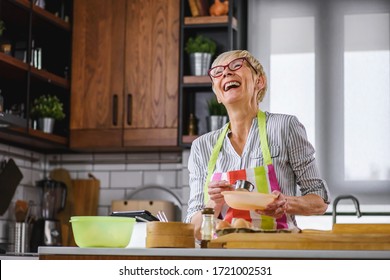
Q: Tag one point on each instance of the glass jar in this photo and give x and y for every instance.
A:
(208, 228)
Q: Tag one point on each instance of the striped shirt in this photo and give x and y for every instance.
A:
(291, 152)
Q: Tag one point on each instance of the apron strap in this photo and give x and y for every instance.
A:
(213, 161)
(263, 138)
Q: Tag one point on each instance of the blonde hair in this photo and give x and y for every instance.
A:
(230, 55)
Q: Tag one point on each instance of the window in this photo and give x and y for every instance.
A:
(366, 97)
(328, 62)
(292, 67)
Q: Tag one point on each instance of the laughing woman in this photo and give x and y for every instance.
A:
(269, 150)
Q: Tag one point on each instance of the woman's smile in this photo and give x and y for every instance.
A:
(230, 85)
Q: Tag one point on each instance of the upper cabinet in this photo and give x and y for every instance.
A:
(125, 68)
(35, 52)
(229, 33)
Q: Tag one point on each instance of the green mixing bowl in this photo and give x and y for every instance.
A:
(102, 231)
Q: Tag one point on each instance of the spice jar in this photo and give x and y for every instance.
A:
(207, 229)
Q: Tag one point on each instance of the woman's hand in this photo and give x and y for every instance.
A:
(215, 189)
(277, 208)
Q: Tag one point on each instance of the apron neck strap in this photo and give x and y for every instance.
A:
(213, 160)
(263, 137)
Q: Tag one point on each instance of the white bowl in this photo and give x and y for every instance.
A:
(243, 200)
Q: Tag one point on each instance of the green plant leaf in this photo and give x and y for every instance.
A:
(200, 43)
(215, 108)
(48, 107)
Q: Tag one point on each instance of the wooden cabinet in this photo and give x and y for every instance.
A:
(125, 74)
(229, 32)
(37, 63)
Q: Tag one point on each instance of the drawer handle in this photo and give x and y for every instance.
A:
(129, 108)
(115, 110)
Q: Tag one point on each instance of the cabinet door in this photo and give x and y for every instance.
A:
(151, 73)
(97, 73)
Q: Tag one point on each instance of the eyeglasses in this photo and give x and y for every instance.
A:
(233, 65)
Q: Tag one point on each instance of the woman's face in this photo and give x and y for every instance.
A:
(236, 84)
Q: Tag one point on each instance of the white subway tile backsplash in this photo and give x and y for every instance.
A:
(109, 157)
(120, 174)
(185, 155)
(179, 180)
(104, 211)
(108, 167)
(142, 156)
(170, 166)
(186, 194)
(16, 150)
(78, 167)
(108, 195)
(104, 178)
(160, 178)
(77, 157)
(170, 156)
(126, 179)
(19, 162)
(27, 176)
(185, 174)
(142, 166)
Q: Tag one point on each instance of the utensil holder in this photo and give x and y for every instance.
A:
(22, 237)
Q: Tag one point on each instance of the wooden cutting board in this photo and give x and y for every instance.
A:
(86, 197)
(361, 228)
(304, 241)
(82, 200)
(85, 200)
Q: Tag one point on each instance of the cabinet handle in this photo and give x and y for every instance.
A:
(115, 110)
(129, 108)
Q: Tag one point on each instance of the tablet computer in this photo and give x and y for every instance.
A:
(139, 215)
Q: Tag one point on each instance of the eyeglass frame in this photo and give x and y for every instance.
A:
(227, 65)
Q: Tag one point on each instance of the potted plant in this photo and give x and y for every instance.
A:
(200, 49)
(217, 115)
(47, 109)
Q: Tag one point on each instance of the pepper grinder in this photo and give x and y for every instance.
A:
(207, 229)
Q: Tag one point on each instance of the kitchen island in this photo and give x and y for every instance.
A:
(76, 253)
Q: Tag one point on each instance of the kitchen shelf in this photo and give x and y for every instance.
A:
(187, 139)
(9, 61)
(51, 18)
(30, 30)
(47, 136)
(12, 120)
(196, 81)
(50, 77)
(229, 32)
(209, 21)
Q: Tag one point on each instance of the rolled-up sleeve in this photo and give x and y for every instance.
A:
(197, 167)
(303, 162)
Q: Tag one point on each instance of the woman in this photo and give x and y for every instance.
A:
(257, 143)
